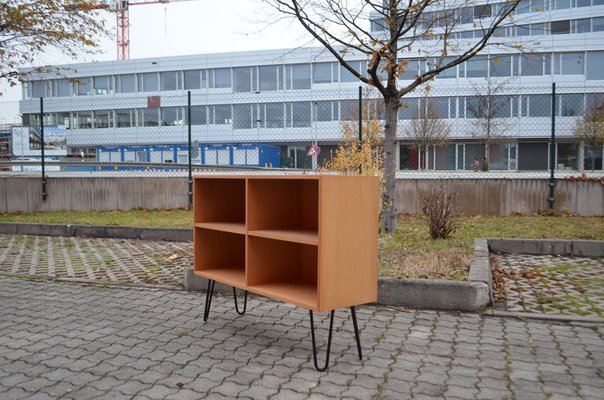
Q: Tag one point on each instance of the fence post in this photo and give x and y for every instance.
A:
(552, 151)
(42, 148)
(189, 147)
(361, 127)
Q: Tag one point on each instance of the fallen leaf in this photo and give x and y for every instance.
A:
(173, 257)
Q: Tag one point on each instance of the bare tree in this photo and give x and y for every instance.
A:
(590, 127)
(342, 27)
(427, 128)
(491, 110)
(28, 29)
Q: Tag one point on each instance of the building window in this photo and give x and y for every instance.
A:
(538, 105)
(567, 156)
(539, 29)
(83, 119)
(244, 79)
(560, 27)
(482, 11)
(477, 67)
(147, 82)
(326, 111)
(297, 77)
(170, 80)
(408, 110)
(449, 73)
(592, 159)
(581, 25)
(561, 4)
(324, 73)
(171, 116)
(297, 114)
(220, 114)
(83, 87)
(272, 115)
(570, 105)
(243, 116)
(61, 88)
(270, 77)
(597, 24)
(198, 115)
(192, 79)
(346, 76)
(569, 63)
(125, 118)
(220, 78)
(149, 117)
(531, 64)
(103, 84)
(412, 70)
(500, 66)
(103, 119)
(595, 61)
(126, 83)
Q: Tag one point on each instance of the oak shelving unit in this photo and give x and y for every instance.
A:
(309, 240)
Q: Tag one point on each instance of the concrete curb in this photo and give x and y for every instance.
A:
(554, 247)
(96, 231)
(546, 317)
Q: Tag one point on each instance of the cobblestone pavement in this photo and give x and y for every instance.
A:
(124, 261)
(551, 285)
(72, 341)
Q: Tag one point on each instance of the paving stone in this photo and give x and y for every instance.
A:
(254, 357)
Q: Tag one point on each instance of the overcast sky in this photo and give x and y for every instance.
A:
(190, 27)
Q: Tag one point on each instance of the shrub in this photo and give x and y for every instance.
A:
(438, 203)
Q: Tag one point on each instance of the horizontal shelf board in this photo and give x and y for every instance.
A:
(288, 235)
(230, 276)
(298, 293)
(232, 227)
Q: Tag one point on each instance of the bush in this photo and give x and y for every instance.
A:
(438, 203)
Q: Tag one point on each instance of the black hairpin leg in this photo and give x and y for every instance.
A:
(314, 345)
(209, 294)
(244, 302)
(356, 331)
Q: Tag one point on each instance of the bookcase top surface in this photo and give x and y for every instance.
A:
(285, 176)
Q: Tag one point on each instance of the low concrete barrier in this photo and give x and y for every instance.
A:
(483, 196)
(122, 232)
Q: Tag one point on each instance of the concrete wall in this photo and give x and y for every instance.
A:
(80, 194)
(507, 196)
(476, 196)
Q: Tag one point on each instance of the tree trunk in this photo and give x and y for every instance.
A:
(389, 223)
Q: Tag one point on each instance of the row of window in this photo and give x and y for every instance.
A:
(301, 76)
(467, 15)
(301, 114)
(538, 64)
(501, 156)
(562, 27)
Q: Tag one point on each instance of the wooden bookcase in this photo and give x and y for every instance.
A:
(309, 240)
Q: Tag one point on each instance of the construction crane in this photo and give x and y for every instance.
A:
(121, 8)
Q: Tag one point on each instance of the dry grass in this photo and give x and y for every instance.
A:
(410, 252)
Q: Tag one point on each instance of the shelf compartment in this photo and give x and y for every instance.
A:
(232, 227)
(283, 270)
(283, 204)
(220, 256)
(296, 236)
(219, 200)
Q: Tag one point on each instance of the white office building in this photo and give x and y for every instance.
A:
(244, 103)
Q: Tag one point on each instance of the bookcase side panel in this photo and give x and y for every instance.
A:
(348, 229)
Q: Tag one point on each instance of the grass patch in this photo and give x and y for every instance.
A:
(407, 253)
(171, 218)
